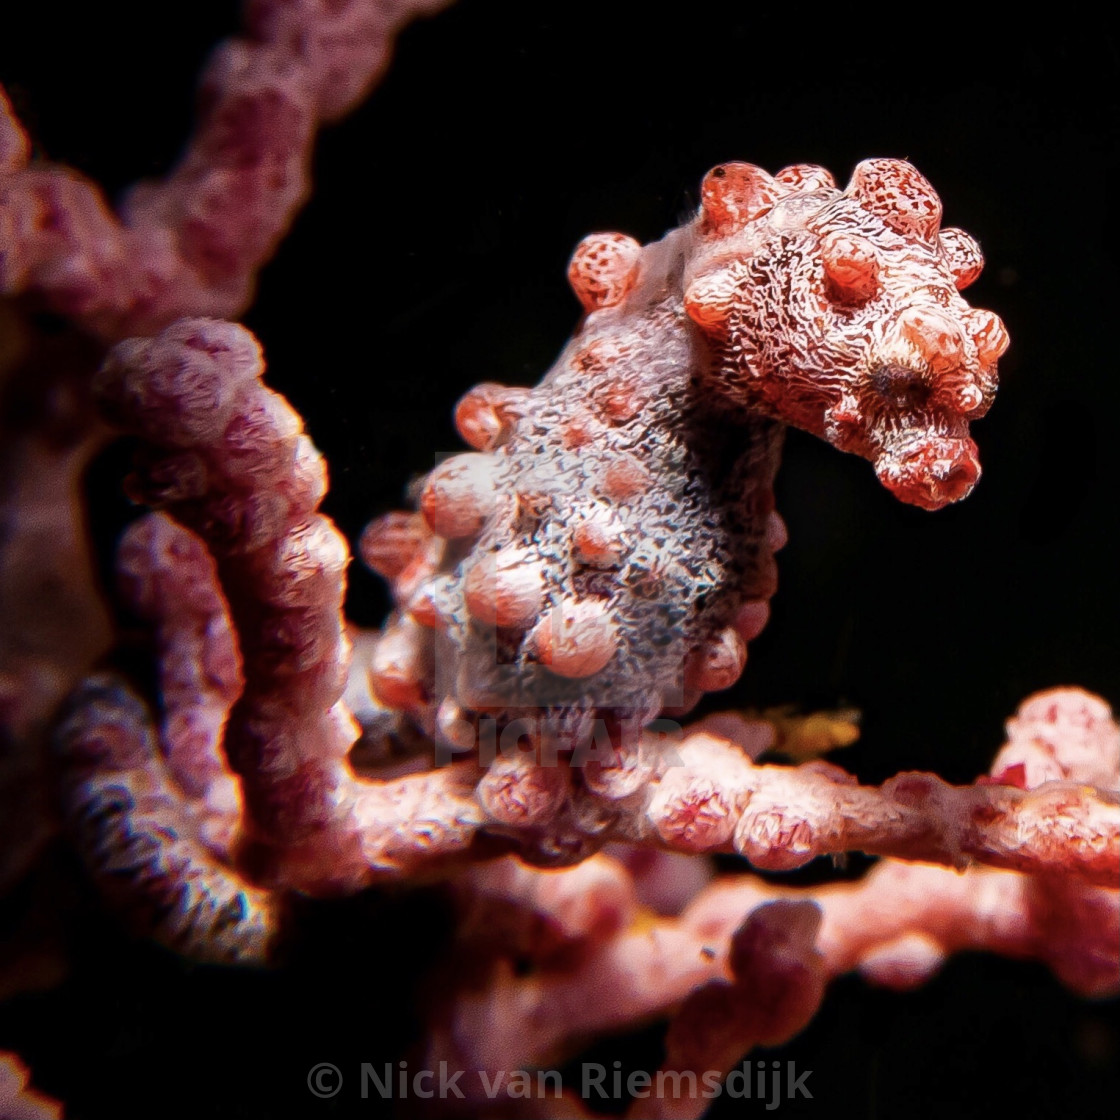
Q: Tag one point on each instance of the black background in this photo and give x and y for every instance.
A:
(432, 256)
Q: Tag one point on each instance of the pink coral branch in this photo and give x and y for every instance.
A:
(230, 460)
(234, 465)
(782, 817)
(168, 578)
(192, 243)
(902, 921)
(776, 985)
(154, 850)
(896, 926)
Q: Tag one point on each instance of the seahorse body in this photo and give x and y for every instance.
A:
(606, 551)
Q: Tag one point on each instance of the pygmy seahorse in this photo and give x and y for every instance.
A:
(606, 551)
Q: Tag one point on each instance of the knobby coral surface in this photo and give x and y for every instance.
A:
(193, 242)
(564, 593)
(77, 273)
(189, 243)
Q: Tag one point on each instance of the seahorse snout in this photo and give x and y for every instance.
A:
(930, 472)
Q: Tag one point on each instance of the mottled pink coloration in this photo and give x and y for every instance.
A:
(191, 244)
(251, 491)
(609, 543)
(1066, 735)
(838, 313)
(745, 961)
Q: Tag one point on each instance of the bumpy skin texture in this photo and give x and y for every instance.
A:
(606, 551)
(840, 314)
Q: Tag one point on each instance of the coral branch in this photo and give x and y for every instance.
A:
(782, 817)
(192, 243)
(897, 926)
(230, 460)
(776, 986)
(155, 853)
(169, 578)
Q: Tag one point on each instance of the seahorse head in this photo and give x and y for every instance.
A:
(840, 313)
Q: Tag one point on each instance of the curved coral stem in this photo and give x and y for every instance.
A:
(192, 243)
(151, 846)
(745, 961)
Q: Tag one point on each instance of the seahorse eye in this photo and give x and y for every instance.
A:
(734, 194)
